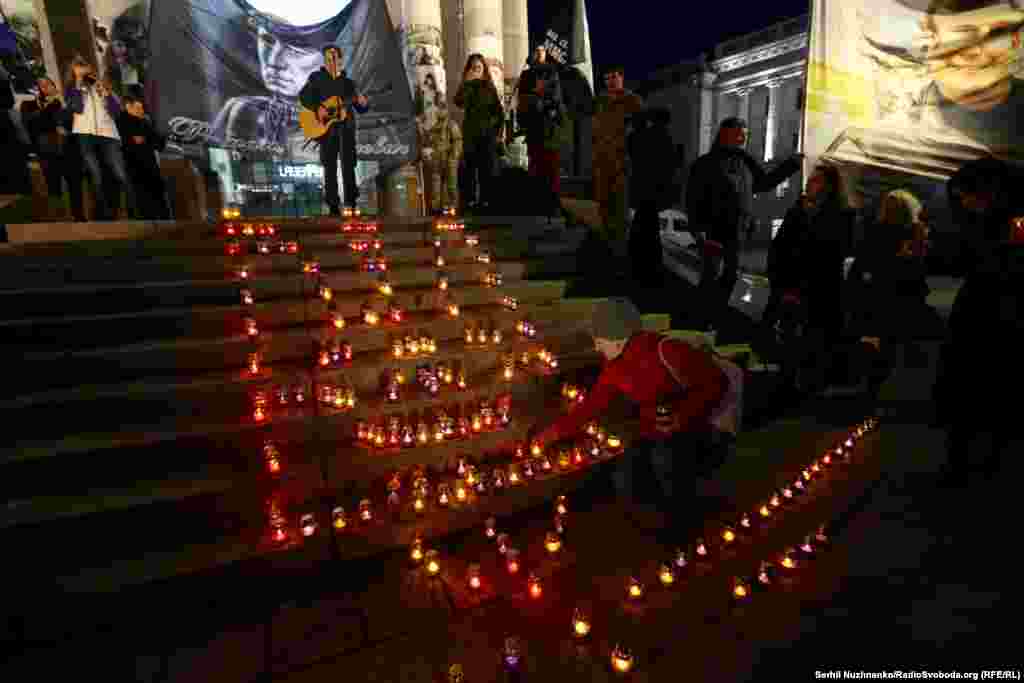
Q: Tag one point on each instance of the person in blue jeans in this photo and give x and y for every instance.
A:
(94, 110)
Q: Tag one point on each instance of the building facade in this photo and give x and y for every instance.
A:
(759, 77)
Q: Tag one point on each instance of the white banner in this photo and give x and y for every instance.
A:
(903, 92)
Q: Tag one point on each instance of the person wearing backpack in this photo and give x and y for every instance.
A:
(684, 394)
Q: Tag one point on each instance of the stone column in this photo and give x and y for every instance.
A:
(743, 105)
(72, 20)
(53, 64)
(422, 42)
(771, 123)
(515, 40)
(483, 26)
(705, 82)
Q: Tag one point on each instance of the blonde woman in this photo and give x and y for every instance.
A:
(888, 289)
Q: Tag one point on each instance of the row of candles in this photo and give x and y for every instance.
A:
(469, 480)
(237, 248)
(622, 659)
(449, 222)
(337, 396)
(396, 431)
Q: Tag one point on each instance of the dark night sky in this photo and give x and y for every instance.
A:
(647, 34)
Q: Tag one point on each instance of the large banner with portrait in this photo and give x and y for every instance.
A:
(225, 74)
(901, 93)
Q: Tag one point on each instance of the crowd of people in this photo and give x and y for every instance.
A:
(85, 133)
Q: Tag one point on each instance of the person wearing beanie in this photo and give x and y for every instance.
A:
(719, 196)
(696, 392)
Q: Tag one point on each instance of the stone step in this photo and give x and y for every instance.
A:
(142, 296)
(292, 344)
(250, 542)
(218, 310)
(117, 423)
(58, 266)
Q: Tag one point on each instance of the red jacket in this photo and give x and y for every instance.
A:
(642, 377)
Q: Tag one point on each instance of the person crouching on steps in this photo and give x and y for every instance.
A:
(141, 142)
(684, 394)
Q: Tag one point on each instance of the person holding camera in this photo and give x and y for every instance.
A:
(94, 110)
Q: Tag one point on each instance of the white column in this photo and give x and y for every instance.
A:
(483, 34)
(770, 123)
(46, 38)
(743, 105)
(515, 39)
(706, 103)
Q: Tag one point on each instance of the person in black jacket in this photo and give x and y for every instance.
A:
(988, 314)
(888, 290)
(42, 116)
(981, 198)
(652, 190)
(719, 193)
(806, 265)
(141, 142)
(331, 81)
(15, 179)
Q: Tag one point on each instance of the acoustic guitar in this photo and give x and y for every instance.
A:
(337, 111)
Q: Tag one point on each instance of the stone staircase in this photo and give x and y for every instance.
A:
(148, 376)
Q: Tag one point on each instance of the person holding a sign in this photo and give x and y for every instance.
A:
(685, 395)
(331, 93)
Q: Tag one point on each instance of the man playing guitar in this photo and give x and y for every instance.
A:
(340, 139)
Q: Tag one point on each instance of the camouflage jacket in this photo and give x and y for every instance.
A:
(609, 127)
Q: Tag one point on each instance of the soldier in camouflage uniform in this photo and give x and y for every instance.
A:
(441, 152)
(611, 110)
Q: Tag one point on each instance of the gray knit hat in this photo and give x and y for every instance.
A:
(616, 319)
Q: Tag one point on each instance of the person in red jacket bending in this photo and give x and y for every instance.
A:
(684, 395)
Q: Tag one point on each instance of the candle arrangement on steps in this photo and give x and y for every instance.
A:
(779, 569)
(449, 222)
(467, 484)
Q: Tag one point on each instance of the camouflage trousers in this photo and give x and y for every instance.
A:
(441, 181)
(613, 206)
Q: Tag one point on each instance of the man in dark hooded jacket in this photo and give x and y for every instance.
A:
(652, 190)
(719, 195)
(974, 393)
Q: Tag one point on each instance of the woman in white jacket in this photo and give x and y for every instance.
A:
(94, 109)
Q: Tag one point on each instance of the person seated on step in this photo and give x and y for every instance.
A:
(685, 395)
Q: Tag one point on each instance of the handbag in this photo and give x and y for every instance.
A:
(726, 416)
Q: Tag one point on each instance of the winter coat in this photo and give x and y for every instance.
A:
(721, 188)
(986, 330)
(484, 114)
(887, 293)
(655, 162)
(42, 122)
(541, 117)
(608, 140)
(140, 157)
(15, 179)
(640, 375)
(807, 254)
